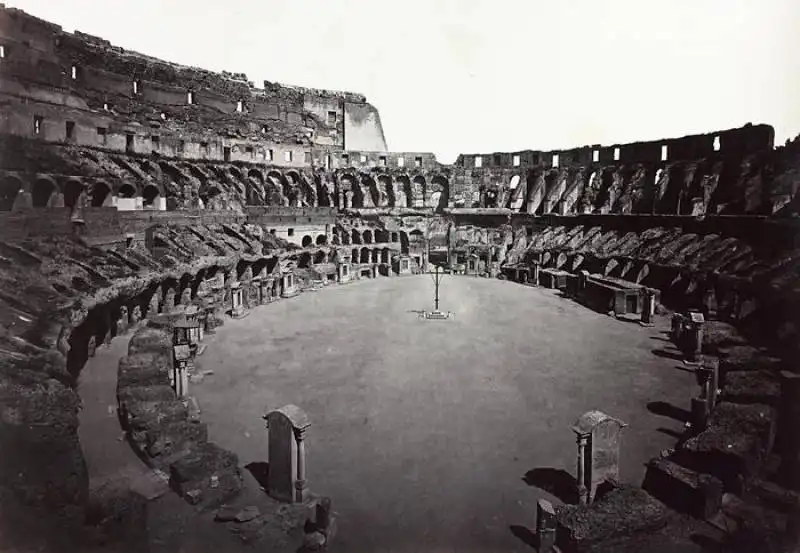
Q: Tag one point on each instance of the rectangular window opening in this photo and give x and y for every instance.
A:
(516, 160)
(248, 149)
(363, 158)
(382, 161)
(70, 130)
(417, 162)
(345, 160)
(240, 106)
(2, 52)
(136, 87)
(401, 162)
(307, 157)
(595, 156)
(271, 155)
(616, 154)
(664, 152)
(74, 72)
(290, 232)
(181, 146)
(129, 143)
(226, 153)
(717, 144)
(498, 160)
(331, 118)
(478, 161)
(38, 120)
(190, 97)
(287, 156)
(555, 160)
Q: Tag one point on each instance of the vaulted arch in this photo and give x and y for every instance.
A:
(10, 187)
(44, 189)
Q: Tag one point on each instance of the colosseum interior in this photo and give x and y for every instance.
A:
(194, 268)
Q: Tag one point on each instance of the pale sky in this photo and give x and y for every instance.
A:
(467, 76)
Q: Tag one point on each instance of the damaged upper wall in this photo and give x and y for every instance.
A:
(736, 171)
(77, 88)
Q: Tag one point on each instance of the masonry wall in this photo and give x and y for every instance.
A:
(363, 129)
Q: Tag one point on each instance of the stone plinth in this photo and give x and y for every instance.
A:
(287, 479)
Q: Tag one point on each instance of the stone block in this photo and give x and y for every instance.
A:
(202, 461)
(151, 340)
(169, 439)
(734, 445)
(683, 489)
(143, 369)
(132, 394)
(746, 358)
(751, 387)
(622, 512)
(208, 476)
(146, 415)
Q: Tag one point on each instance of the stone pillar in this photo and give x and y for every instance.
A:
(789, 421)
(699, 414)
(535, 274)
(300, 484)
(583, 490)
(545, 526)
(648, 306)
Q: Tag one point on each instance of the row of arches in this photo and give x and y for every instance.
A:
(367, 236)
(39, 191)
(366, 191)
(366, 255)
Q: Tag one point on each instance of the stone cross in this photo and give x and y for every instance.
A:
(598, 437)
(287, 454)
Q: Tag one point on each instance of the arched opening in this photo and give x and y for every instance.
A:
(419, 191)
(275, 188)
(604, 193)
(367, 236)
(395, 237)
(372, 195)
(376, 256)
(443, 197)
(404, 240)
(127, 190)
(72, 191)
(43, 190)
(365, 255)
(307, 241)
(385, 255)
(321, 240)
(149, 195)
(10, 186)
(304, 261)
(387, 188)
(100, 193)
(356, 236)
(404, 194)
(354, 256)
(319, 257)
(335, 241)
(346, 238)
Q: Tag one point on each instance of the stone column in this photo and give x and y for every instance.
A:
(583, 490)
(536, 274)
(648, 306)
(545, 526)
(300, 483)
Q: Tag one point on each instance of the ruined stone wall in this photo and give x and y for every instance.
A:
(727, 172)
(86, 83)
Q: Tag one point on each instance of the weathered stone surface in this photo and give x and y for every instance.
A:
(143, 369)
(208, 476)
(146, 415)
(625, 511)
(168, 439)
(746, 358)
(144, 393)
(150, 340)
(680, 488)
(733, 446)
(751, 387)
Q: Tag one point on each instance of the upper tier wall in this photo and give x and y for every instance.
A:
(739, 142)
(43, 64)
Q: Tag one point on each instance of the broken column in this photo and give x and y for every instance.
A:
(287, 460)
(648, 306)
(182, 358)
(693, 339)
(545, 526)
(535, 269)
(598, 437)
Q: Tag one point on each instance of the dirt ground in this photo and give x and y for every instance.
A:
(427, 434)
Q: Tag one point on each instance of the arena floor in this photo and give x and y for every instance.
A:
(423, 431)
